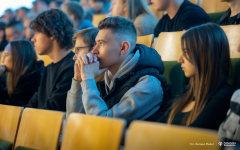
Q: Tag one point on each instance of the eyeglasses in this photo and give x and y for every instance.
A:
(77, 49)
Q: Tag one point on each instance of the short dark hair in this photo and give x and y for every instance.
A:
(76, 9)
(24, 9)
(17, 25)
(88, 35)
(120, 26)
(55, 23)
(2, 26)
(47, 2)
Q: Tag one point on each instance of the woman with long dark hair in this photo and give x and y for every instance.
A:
(23, 73)
(206, 61)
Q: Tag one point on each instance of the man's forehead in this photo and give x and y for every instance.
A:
(104, 34)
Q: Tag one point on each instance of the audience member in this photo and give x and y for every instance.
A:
(77, 14)
(24, 73)
(206, 61)
(55, 4)
(99, 6)
(84, 42)
(181, 15)
(133, 87)
(3, 41)
(137, 10)
(42, 5)
(22, 13)
(53, 37)
(85, 4)
(28, 33)
(14, 31)
(232, 15)
(9, 15)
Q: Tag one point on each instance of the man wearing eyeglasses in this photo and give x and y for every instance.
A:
(84, 42)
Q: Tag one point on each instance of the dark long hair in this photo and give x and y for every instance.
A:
(208, 49)
(23, 55)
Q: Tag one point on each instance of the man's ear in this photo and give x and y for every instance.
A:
(124, 47)
(72, 17)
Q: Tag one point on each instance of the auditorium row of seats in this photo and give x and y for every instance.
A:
(29, 129)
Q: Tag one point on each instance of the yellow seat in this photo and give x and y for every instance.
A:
(169, 45)
(85, 132)
(193, 1)
(232, 32)
(158, 14)
(98, 18)
(148, 135)
(39, 129)
(46, 59)
(213, 6)
(9, 121)
(145, 40)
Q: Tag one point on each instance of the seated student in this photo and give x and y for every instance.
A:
(84, 42)
(133, 87)
(232, 15)
(24, 73)
(53, 37)
(14, 31)
(206, 61)
(181, 15)
(137, 10)
(98, 6)
(77, 14)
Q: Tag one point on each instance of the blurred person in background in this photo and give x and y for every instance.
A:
(99, 6)
(55, 4)
(138, 11)
(42, 5)
(24, 73)
(14, 31)
(28, 33)
(22, 13)
(232, 15)
(77, 14)
(3, 41)
(9, 15)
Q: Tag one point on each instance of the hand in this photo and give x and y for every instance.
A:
(2, 69)
(77, 71)
(90, 67)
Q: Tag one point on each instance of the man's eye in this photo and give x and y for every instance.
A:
(101, 43)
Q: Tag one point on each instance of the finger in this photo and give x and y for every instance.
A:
(95, 58)
(90, 57)
(84, 59)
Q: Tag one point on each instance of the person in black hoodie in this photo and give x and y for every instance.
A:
(232, 15)
(133, 88)
(53, 37)
(206, 61)
(24, 73)
(181, 15)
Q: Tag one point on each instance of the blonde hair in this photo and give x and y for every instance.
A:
(137, 7)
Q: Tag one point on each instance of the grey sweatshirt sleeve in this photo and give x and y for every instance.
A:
(74, 98)
(140, 102)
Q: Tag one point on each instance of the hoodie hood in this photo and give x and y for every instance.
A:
(149, 58)
(142, 57)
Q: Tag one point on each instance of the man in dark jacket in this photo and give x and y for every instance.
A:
(133, 88)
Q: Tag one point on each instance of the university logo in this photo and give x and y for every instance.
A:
(220, 143)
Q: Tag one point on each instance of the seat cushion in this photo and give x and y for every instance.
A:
(175, 77)
(5, 145)
(23, 148)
